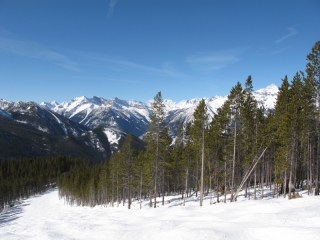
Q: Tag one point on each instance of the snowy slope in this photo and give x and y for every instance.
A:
(47, 217)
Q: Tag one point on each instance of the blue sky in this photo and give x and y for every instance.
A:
(132, 49)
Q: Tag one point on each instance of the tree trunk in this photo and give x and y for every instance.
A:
(255, 162)
(262, 178)
(129, 197)
(225, 182)
(218, 189)
(210, 189)
(156, 173)
(246, 190)
(316, 188)
(162, 186)
(233, 160)
(202, 167)
(140, 189)
(255, 185)
(310, 170)
(186, 188)
(285, 184)
(290, 179)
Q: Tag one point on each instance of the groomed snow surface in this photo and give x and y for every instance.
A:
(47, 217)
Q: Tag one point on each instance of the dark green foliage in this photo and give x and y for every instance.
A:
(107, 182)
(25, 177)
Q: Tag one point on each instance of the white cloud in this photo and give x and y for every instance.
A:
(112, 4)
(211, 61)
(292, 31)
(34, 50)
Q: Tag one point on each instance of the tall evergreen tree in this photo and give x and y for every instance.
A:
(127, 159)
(313, 74)
(236, 98)
(198, 133)
(157, 124)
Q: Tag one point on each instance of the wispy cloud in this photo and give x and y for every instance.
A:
(292, 31)
(112, 4)
(118, 63)
(211, 61)
(280, 50)
(111, 79)
(34, 50)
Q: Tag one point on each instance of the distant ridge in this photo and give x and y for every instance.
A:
(93, 127)
(133, 116)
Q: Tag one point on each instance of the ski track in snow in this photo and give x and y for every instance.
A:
(47, 217)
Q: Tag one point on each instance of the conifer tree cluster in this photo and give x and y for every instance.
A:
(22, 178)
(242, 147)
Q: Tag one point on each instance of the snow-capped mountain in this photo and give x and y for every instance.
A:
(41, 118)
(183, 111)
(93, 127)
(267, 96)
(133, 116)
(127, 116)
(29, 129)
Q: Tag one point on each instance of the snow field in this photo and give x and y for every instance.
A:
(47, 217)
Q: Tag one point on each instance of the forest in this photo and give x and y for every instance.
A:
(22, 178)
(243, 146)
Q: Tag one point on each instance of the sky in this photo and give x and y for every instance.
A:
(132, 49)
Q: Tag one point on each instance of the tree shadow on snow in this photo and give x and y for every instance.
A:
(11, 214)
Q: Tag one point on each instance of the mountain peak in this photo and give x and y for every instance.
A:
(81, 99)
(49, 104)
(271, 89)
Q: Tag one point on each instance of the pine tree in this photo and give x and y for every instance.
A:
(236, 98)
(127, 159)
(282, 118)
(224, 131)
(165, 159)
(187, 159)
(157, 124)
(198, 134)
(313, 74)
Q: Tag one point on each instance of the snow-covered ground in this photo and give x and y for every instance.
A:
(47, 217)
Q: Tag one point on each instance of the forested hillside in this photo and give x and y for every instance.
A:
(239, 147)
(22, 178)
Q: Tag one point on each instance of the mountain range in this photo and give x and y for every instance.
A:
(93, 127)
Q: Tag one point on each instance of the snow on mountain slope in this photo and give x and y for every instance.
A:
(183, 111)
(112, 135)
(133, 116)
(40, 118)
(5, 114)
(47, 217)
(267, 96)
(128, 116)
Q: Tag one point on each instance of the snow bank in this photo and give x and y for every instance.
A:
(47, 217)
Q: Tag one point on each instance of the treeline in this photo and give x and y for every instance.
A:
(242, 146)
(22, 178)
